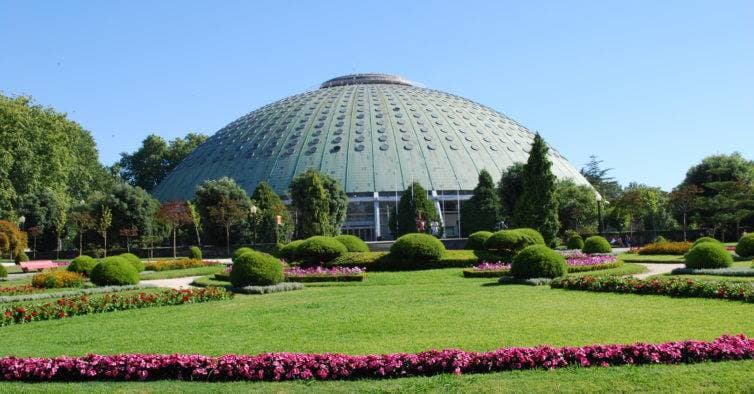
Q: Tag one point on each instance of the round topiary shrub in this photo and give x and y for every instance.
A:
(20, 258)
(575, 242)
(538, 261)
(289, 251)
(352, 243)
(417, 247)
(476, 240)
(256, 269)
(708, 255)
(704, 239)
(195, 253)
(596, 244)
(745, 246)
(83, 265)
(114, 271)
(3, 271)
(534, 235)
(509, 241)
(239, 252)
(133, 260)
(320, 249)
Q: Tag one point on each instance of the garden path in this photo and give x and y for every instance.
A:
(174, 283)
(656, 269)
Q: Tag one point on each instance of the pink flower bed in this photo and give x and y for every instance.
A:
(329, 366)
(322, 271)
(496, 266)
(589, 260)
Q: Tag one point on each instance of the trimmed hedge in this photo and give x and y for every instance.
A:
(596, 244)
(114, 271)
(512, 241)
(195, 253)
(320, 249)
(288, 251)
(57, 279)
(256, 269)
(476, 240)
(3, 272)
(533, 234)
(708, 255)
(83, 265)
(575, 242)
(133, 260)
(352, 243)
(238, 252)
(672, 248)
(417, 247)
(705, 239)
(538, 261)
(745, 246)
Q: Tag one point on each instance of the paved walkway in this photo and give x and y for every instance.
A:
(175, 283)
(655, 269)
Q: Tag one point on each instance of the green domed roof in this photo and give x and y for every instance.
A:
(371, 132)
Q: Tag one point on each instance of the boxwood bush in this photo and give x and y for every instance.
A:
(133, 260)
(533, 234)
(238, 252)
(704, 239)
(417, 247)
(288, 251)
(3, 271)
(83, 265)
(745, 246)
(114, 271)
(352, 243)
(708, 255)
(256, 269)
(320, 249)
(509, 241)
(476, 240)
(195, 253)
(538, 261)
(575, 242)
(596, 244)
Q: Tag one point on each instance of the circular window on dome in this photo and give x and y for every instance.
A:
(510, 148)
(382, 138)
(467, 138)
(337, 140)
(474, 147)
(312, 149)
(378, 116)
(431, 147)
(359, 139)
(406, 138)
(338, 132)
(381, 130)
(335, 149)
(401, 122)
(493, 147)
(379, 122)
(359, 131)
(449, 138)
(453, 146)
(427, 138)
(360, 123)
(384, 147)
(408, 147)
(486, 139)
(360, 116)
(359, 148)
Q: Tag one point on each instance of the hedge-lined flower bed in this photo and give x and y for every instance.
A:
(675, 287)
(488, 270)
(177, 264)
(84, 305)
(324, 274)
(581, 262)
(329, 366)
(672, 248)
(72, 293)
(733, 271)
(15, 290)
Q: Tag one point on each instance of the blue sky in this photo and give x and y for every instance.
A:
(649, 86)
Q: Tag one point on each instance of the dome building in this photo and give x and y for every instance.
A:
(373, 133)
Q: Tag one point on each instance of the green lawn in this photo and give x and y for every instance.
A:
(660, 258)
(182, 273)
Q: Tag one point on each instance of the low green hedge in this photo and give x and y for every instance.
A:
(476, 240)
(326, 278)
(586, 268)
(352, 243)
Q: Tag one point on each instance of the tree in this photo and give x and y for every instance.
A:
(130, 207)
(320, 204)
(174, 214)
(128, 233)
(537, 207)
(607, 186)
(154, 160)
(196, 220)
(577, 207)
(12, 240)
(209, 194)
(264, 223)
(509, 188)
(414, 207)
(482, 210)
(104, 222)
(684, 199)
(227, 213)
(82, 220)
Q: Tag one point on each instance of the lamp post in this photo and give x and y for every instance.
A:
(599, 213)
(253, 210)
(278, 222)
(21, 222)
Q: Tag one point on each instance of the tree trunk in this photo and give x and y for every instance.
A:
(35, 248)
(104, 236)
(198, 240)
(174, 254)
(227, 240)
(684, 226)
(81, 241)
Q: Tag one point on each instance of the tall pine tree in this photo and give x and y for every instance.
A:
(482, 210)
(537, 206)
(264, 223)
(414, 204)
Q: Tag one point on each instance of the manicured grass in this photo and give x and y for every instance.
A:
(706, 377)
(625, 269)
(182, 273)
(658, 258)
(745, 264)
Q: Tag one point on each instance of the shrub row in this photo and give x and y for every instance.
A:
(177, 264)
(672, 248)
(708, 255)
(84, 305)
(324, 274)
(276, 288)
(69, 293)
(595, 267)
(741, 272)
(513, 240)
(332, 366)
(674, 287)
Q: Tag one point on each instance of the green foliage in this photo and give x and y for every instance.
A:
(320, 249)
(353, 243)
(134, 260)
(45, 213)
(414, 204)
(114, 271)
(3, 271)
(417, 247)
(537, 207)
(265, 228)
(289, 252)
(11, 239)
(215, 200)
(477, 240)
(130, 207)
(20, 257)
(320, 200)
(575, 242)
(154, 160)
(83, 265)
(538, 261)
(745, 246)
(195, 253)
(57, 278)
(705, 239)
(513, 240)
(708, 255)
(509, 189)
(598, 177)
(659, 239)
(577, 207)
(256, 269)
(596, 244)
(643, 207)
(482, 210)
(534, 235)
(239, 252)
